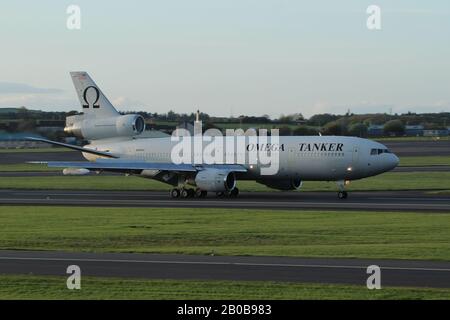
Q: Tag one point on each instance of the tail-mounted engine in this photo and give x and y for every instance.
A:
(100, 128)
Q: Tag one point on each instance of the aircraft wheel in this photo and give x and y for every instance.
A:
(175, 193)
(200, 193)
(234, 193)
(186, 193)
(342, 195)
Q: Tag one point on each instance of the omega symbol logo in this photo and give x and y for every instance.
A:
(97, 96)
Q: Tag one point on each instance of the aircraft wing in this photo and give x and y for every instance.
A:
(122, 165)
(116, 164)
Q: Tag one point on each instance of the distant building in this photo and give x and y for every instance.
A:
(375, 130)
(414, 131)
(436, 133)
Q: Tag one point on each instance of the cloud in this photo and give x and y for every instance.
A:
(127, 104)
(22, 88)
(39, 101)
(22, 94)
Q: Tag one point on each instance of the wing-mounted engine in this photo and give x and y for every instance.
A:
(215, 180)
(282, 184)
(101, 128)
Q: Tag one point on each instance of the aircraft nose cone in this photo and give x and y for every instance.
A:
(394, 161)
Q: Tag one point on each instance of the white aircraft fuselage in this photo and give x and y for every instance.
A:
(328, 158)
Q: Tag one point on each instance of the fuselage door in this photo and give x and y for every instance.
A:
(355, 156)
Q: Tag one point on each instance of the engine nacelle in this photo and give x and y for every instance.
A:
(121, 126)
(283, 184)
(215, 180)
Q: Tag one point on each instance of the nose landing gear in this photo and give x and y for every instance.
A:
(342, 194)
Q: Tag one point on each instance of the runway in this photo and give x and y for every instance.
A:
(23, 157)
(407, 201)
(187, 267)
(419, 148)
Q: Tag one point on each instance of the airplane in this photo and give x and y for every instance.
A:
(115, 146)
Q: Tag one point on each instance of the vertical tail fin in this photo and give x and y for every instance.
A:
(92, 99)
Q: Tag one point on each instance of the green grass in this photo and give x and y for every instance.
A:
(26, 167)
(387, 181)
(54, 287)
(411, 138)
(227, 232)
(32, 150)
(425, 161)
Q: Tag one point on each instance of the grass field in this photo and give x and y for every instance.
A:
(26, 167)
(227, 232)
(425, 161)
(411, 138)
(386, 181)
(31, 150)
(53, 287)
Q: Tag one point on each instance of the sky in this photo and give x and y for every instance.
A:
(229, 57)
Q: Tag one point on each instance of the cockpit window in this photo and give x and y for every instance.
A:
(374, 152)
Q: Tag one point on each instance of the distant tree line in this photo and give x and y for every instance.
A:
(23, 119)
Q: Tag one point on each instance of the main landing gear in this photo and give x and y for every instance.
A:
(230, 194)
(197, 193)
(187, 193)
(342, 194)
